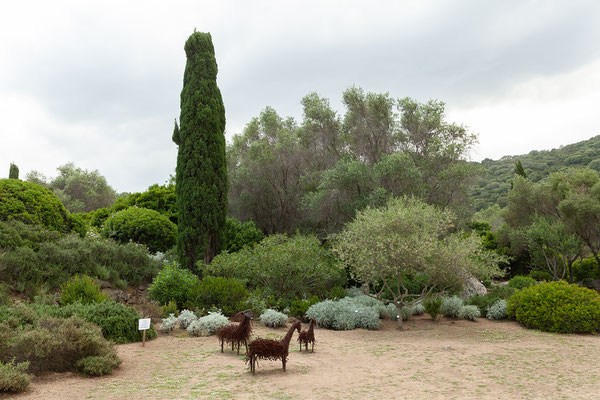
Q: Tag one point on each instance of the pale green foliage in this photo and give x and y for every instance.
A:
(469, 312)
(185, 319)
(168, 324)
(497, 310)
(208, 325)
(346, 314)
(409, 237)
(451, 306)
(273, 318)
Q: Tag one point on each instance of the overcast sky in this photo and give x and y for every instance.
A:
(98, 83)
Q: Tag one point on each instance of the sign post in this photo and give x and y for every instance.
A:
(143, 325)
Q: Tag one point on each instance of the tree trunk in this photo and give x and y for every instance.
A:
(570, 269)
(597, 260)
(399, 309)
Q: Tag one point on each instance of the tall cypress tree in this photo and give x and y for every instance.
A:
(519, 170)
(13, 172)
(201, 181)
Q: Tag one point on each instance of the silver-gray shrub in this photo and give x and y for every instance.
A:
(469, 312)
(168, 324)
(208, 325)
(186, 317)
(346, 314)
(273, 318)
(323, 312)
(497, 310)
(451, 306)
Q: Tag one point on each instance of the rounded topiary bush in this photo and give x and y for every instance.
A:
(556, 307)
(141, 225)
(521, 282)
(33, 204)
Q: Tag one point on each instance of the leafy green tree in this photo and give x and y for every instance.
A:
(13, 173)
(201, 175)
(410, 238)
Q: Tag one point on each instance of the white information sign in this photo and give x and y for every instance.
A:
(144, 324)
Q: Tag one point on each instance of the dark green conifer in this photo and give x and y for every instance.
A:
(201, 175)
(519, 170)
(13, 173)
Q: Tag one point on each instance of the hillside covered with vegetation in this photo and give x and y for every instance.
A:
(494, 184)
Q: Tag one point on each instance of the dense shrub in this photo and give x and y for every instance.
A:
(433, 306)
(227, 294)
(83, 289)
(497, 310)
(451, 306)
(469, 312)
(240, 234)
(41, 258)
(177, 284)
(32, 204)
(169, 308)
(299, 307)
(541, 276)
(585, 269)
(556, 307)
(141, 225)
(273, 319)
(58, 344)
(344, 314)
(208, 325)
(288, 267)
(168, 324)
(521, 282)
(14, 377)
(118, 322)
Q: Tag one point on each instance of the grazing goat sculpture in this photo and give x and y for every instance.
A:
(236, 333)
(270, 349)
(308, 336)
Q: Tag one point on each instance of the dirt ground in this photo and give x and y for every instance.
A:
(428, 360)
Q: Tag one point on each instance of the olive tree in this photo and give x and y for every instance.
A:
(408, 237)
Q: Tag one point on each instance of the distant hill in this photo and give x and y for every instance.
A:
(495, 183)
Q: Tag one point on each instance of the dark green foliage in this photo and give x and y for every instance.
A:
(35, 257)
(169, 308)
(97, 365)
(83, 289)
(14, 377)
(13, 172)
(556, 307)
(519, 170)
(299, 307)
(55, 344)
(160, 198)
(497, 292)
(585, 269)
(287, 267)
(174, 283)
(494, 185)
(541, 276)
(240, 234)
(201, 175)
(521, 282)
(227, 294)
(96, 218)
(32, 204)
(433, 306)
(141, 225)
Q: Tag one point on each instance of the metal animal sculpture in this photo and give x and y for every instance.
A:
(308, 336)
(236, 333)
(269, 349)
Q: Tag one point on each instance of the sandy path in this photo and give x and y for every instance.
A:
(428, 360)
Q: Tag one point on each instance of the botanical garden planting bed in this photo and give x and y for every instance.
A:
(444, 359)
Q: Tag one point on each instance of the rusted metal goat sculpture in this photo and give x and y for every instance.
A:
(308, 336)
(269, 349)
(236, 333)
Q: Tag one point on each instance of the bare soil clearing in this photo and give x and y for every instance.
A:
(428, 360)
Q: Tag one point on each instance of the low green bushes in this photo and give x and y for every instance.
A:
(36, 257)
(240, 234)
(556, 307)
(541, 276)
(141, 225)
(433, 306)
(585, 269)
(484, 302)
(14, 377)
(175, 283)
(229, 295)
(521, 282)
(58, 344)
(83, 289)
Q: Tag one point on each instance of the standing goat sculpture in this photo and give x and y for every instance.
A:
(236, 333)
(269, 349)
(308, 336)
